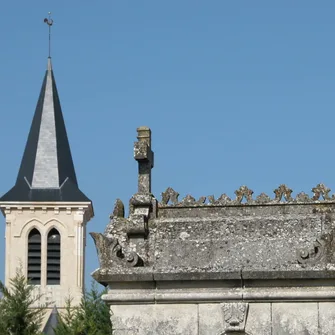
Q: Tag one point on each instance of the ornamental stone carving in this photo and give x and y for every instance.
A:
(234, 316)
(244, 192)
(321, 250)
(263, 199)
(321, 190)
(221, 201)
(170, 195)
(118, 211)
(191, 201)
(302, 197)
(110, 253)
(283, 192)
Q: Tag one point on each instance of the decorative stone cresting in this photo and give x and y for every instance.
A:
(223, 200)
(283, 192)
(190, 201)
(234, 316)
(263, 199)
(303, 197)
(170, 196)
(244, 196)
(244, 192)
(321, 190)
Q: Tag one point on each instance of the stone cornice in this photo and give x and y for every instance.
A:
(87, 207)
(175, 294)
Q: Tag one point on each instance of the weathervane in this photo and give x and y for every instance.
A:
(49, 21)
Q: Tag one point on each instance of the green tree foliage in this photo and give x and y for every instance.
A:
(91, 317)
(69, 321)
(16, 315)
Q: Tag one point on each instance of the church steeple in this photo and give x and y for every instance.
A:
(47, 172)
(46, 213)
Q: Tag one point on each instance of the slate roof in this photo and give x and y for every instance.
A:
(51, 323)
(47, 171)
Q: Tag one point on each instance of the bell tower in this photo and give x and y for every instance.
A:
(46, 213)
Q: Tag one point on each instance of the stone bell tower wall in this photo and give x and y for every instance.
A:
(70, 221)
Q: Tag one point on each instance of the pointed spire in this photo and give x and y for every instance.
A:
(52, 322)
(47, 172)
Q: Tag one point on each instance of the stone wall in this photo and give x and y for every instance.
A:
(269, 307)
(315, 318)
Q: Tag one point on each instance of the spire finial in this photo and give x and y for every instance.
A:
(49, 21)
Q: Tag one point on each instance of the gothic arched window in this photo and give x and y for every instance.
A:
(34, 257)
(53, 257)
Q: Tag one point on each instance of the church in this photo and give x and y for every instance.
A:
(45, 212)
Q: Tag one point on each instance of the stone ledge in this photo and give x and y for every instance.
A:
(150, 275)
(219, 295)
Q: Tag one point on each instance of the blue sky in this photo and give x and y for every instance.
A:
(236, 92)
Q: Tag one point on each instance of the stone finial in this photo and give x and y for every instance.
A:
(144, 135)
(145, 158)
(283, 192)
(244, 192)
(118, 209)
(170, 195)
(321, 190)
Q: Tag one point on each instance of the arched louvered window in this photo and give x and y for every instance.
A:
(34, 257)
(53, 258)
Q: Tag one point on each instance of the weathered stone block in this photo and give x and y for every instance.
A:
(327, 318)
(294, 319)
(155, 319)
(259, 319)
(141, 151)
(210, 319)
